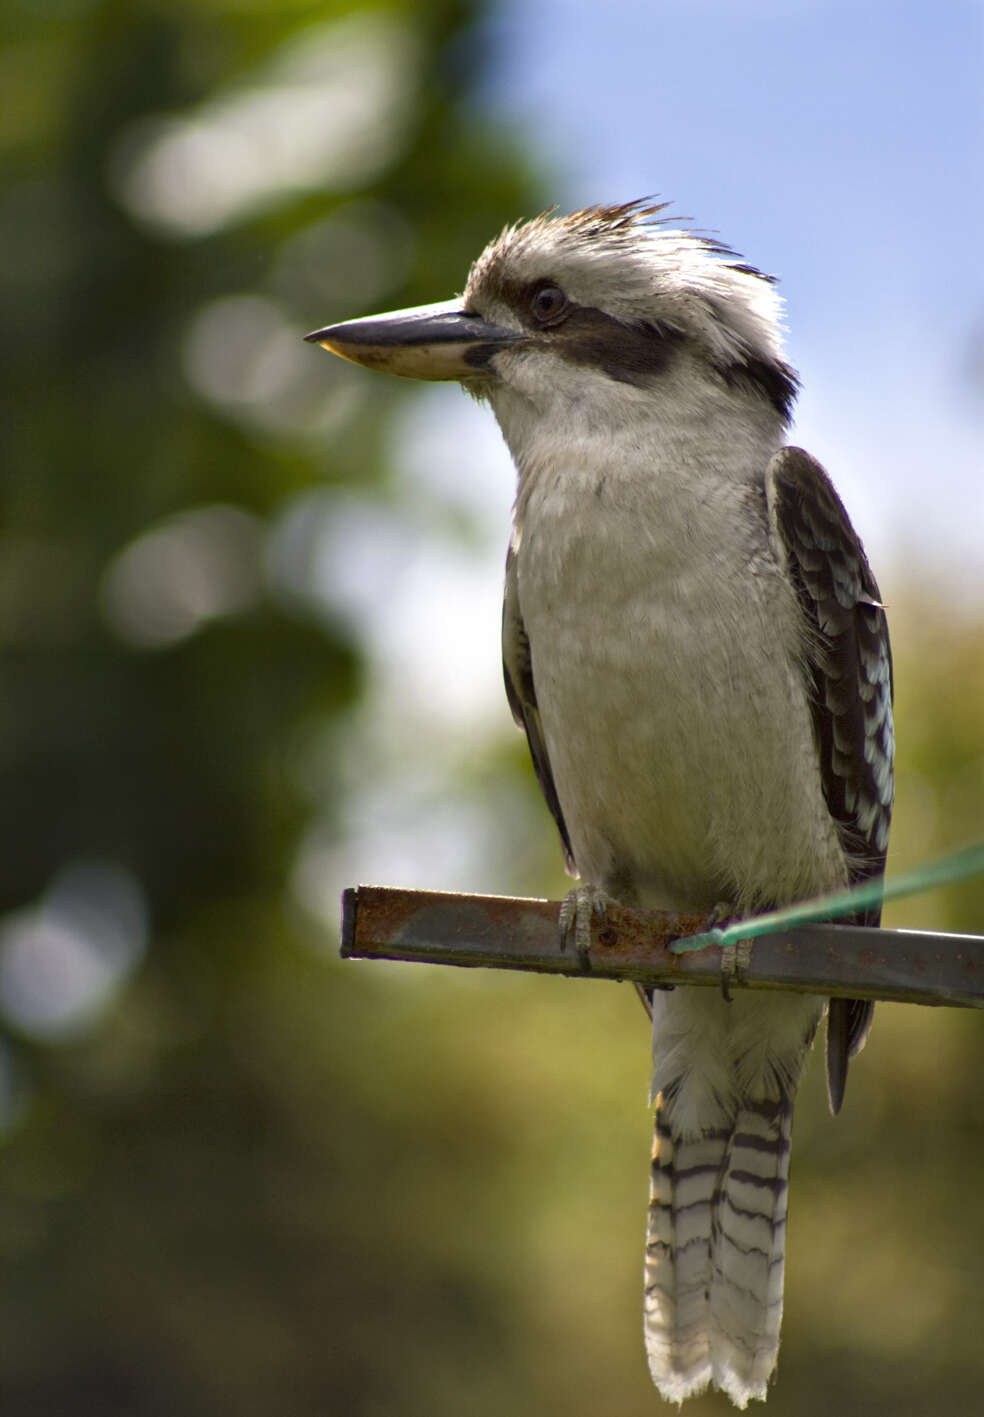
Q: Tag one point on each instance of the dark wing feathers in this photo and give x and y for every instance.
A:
(517, 671)
(850, 663)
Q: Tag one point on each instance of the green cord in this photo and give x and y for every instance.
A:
(958, 866)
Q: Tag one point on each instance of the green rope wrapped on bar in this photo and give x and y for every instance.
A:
(957, 866)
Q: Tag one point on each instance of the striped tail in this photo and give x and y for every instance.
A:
(714, 1252)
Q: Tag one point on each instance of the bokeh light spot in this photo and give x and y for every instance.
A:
(62, 962)
(175, 578)
(331, 108)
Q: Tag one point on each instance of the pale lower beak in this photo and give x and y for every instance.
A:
(440, 341)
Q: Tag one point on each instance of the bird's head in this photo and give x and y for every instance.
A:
(558, 310)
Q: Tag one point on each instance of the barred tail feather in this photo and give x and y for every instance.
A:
(714, 1253)
(684, 1180)
(748, 1250)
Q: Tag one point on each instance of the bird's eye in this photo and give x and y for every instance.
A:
(548, 304)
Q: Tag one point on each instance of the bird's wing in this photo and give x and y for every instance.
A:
(849, 660)
(517, 669)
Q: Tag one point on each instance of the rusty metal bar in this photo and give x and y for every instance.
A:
(500, 932)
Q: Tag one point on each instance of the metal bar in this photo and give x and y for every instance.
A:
(500, 932)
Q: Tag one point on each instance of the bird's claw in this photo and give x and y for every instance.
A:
(574, 921)
(735, 959)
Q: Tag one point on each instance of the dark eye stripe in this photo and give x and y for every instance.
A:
(632, 354)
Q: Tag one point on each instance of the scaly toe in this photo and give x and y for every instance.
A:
(735, 959)
(577, 909)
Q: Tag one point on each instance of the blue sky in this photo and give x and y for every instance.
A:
(838, 145)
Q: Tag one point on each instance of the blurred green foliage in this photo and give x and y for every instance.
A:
(253, 1179)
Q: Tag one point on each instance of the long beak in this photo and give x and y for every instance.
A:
(426, 342)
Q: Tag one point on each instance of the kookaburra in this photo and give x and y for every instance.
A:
(695, 646)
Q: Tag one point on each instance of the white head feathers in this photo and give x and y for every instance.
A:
(627, 261)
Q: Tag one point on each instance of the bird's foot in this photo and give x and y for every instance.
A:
(577, 909)
(735, 957)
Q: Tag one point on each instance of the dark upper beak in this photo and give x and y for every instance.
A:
(427, 342)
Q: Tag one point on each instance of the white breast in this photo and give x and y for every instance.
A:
(664, 641)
